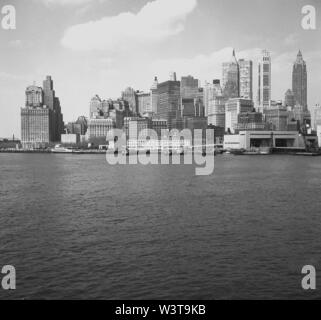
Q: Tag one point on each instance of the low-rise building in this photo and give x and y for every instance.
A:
(263, 139)
(70, 139)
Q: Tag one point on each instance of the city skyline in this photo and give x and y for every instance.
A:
(112, 73)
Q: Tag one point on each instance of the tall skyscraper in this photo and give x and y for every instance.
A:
(154, 96)
(264, 85)
(299, 82)
(210, 92)
(41, 118)
(169, 101)
(53, 103)
(246, 79)
(231, 78)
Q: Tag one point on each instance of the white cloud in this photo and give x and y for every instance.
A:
(156, 21)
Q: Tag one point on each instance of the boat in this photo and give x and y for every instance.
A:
(60, 149)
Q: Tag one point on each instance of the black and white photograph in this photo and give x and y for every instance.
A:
(160, 150)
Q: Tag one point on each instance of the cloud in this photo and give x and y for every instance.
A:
(67, 2)
(292, 39)
(155, 22)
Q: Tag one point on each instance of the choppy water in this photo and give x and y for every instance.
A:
(77, 228)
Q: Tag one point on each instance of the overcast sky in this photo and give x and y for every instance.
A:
(102, 46)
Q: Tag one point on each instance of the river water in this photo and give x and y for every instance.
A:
(75, 227)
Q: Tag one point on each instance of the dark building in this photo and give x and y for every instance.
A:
(299, 82)
(289, 100)
(231, 78)
(169, 100)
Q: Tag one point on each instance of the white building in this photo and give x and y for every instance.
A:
(233, 108)
(264, 139)
(264, 84)
(319, 135)
(70, 138)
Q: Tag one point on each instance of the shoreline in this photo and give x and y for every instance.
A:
(101, 152)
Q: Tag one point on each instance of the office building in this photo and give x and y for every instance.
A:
(231, 78)
(154, 96)
(169, 101)
(216, 111)
(129, 95)
(246, 79)
(264, 81)
(144, 102)
(99, 128)
(299, 82)
(41, 118)
(211, 90)
(233, 108)
(315, 116)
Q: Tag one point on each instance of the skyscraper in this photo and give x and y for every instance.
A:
(53, 103)
(41, 118)
(231, 78)
(169, 101)
(154, 96)
(211, 91)
(299, 82)
(246, 79)
(264, 85)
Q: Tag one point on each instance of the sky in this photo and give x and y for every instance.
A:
(103, 46)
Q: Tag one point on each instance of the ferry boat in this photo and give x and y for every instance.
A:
(60, 149)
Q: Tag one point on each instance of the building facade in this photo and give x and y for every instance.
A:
(216, 112)
(299, 82)
(233, 108)
(41, 118)
(99, 128)
(231, 78)
(169, 101)
(211, 90)
(264, 81)
(246, 79)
